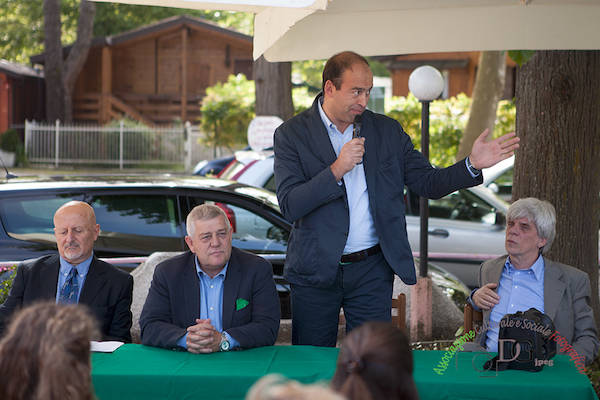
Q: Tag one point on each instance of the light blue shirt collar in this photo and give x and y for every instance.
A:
(82, 268)
(537, 267)
(201, 273)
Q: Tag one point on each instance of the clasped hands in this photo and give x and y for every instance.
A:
(203, 337)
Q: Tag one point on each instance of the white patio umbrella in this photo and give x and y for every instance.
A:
(287, 30)
(382, 27)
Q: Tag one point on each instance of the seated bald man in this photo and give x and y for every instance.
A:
(525, 279)
(75, 276)
(214, 297)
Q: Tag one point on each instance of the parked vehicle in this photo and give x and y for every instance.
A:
(214, 167)
(465, 228)
(139, 215)
(499, 178)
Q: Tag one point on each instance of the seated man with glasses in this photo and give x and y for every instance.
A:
(214, 297)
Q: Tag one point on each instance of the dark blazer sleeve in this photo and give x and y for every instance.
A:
(120, 324)
(256, 324)
(160, 321)
(108, 293)
(303, 175)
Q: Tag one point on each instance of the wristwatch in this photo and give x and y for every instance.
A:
(225, 345)
(471, 168)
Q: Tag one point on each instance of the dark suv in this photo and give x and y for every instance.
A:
(139, 215)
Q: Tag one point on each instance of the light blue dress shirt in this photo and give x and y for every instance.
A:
(519, 290)
(361, 233)
(65, 268)
(211, 302)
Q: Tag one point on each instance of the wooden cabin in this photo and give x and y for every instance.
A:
(21, 95)
(158, 73)
(458, 68)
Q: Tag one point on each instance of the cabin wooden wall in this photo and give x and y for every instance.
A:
(147, 73)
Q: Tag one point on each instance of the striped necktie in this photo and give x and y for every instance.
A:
(69, 291)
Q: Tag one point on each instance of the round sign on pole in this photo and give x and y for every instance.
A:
(261, 130)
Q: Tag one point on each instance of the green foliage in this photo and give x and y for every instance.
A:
(22, 23)
(378, 68)
(227, 109)
(520, 56)
(11, 141)
(447, 121)
(309, 73)
(302, 99)
(7, 275)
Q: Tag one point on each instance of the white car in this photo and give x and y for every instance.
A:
(499, 178)
(465, 228)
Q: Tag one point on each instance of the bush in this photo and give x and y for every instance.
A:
(10, 141)
(7, 274)
(448, 119)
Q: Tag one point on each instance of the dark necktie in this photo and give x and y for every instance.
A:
(68, 293)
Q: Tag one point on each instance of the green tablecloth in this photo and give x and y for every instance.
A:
(140, 372)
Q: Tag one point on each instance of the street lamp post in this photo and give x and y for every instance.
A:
(426, 83)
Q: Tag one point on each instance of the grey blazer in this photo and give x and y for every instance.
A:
(566, 300)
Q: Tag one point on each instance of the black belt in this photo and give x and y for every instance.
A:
(360, 255)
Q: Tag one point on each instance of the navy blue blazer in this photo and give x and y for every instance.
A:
(311, 199)
(107, 292)
(173, 301)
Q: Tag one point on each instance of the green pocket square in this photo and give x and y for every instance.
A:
(240, 303)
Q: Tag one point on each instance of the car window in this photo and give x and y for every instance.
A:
(251, 231)
(31, 218)
(138, 223)
(270, 184)
(461, 205)
(504, 183)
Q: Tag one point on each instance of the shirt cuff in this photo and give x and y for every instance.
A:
(471, 302)
(474, 172)
(182, 341)
(234, 344)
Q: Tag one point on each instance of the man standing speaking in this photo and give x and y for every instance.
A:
(345, 198)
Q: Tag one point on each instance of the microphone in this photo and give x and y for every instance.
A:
(357, 125)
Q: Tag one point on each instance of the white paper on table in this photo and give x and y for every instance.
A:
(105, 347)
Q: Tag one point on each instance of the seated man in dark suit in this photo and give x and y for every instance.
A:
(75, 275)
(526, 279)
(213, 297)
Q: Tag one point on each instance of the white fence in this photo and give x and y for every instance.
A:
(115, 145)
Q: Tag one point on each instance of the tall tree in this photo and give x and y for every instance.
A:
(273, 88)
(558, 98)
(489, 85)
(60, 74)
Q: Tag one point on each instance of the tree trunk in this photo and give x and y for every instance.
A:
(273, 82)
(53, 61)
(78, 53)
(489, 85)
(558, 98)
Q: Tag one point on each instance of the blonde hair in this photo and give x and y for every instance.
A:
(276, 387)
(45, 354)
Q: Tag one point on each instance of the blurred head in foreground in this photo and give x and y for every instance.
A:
(375, 363)
(276, 387)
(45, 354)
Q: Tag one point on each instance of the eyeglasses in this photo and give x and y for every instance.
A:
(357, 92)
